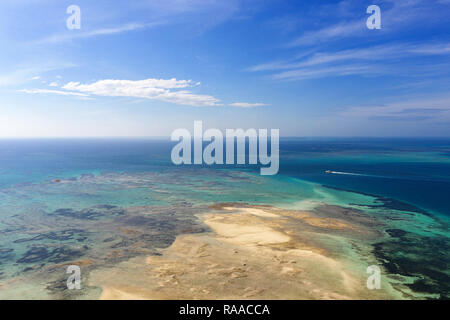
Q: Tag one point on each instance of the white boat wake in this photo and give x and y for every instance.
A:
(349, 173)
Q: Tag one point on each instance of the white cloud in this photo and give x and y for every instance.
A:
(168, 90)
(59, 92)
(247, 105)
(156, 89)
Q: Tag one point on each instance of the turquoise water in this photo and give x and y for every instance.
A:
(68, 199)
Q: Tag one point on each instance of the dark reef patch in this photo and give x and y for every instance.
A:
(162, 240)
(62, 235)
(43, 254)
(34, 267)
(396, 233)
(426, 258)
(5, 254)
(13, 229)
(92, 213)
(35, 254)
(149, 221)
(64, 254)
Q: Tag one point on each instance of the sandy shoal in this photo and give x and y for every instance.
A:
(252, 252)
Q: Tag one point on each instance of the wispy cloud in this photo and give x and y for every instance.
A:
(395, 15)
(372, 53)
(436, 109)
(247, 105)
(48, 91)
(72, 35)
(156, 89)
(341, 30)
(17, 77)
(361, 61)
(23, 74)
(329, 71)
(198, 14)
(345, 21)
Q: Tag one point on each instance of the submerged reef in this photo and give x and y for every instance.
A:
(101, 222)
(92, 213)
(426, 259)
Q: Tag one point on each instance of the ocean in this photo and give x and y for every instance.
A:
(54, 192)
(416, 171)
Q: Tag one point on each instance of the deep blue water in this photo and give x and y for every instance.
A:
(416, 171)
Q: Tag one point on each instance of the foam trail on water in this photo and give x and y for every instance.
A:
(354, 174)
(349, 173)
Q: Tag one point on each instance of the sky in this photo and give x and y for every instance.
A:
(147, 67)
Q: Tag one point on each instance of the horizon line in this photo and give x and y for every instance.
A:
(168, 137)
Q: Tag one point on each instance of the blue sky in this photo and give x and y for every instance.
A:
(148, 67)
